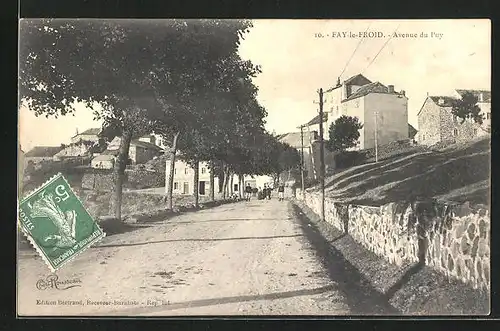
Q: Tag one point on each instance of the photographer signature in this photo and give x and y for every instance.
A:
(52, 281)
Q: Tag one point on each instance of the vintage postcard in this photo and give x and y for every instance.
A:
(243, 167)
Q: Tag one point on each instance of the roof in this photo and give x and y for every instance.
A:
(294, 139)
(43, 151)
(375, 87)
(145, 144)
(486, 94)
(411, 131)
(358, 79)
(435, 99)
(447, 101)
(315, 120)
(104, 157)
(89, 132)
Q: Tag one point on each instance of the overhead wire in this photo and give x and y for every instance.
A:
(383, 46)
(354, 52)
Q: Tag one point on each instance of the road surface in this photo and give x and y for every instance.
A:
(246, 258)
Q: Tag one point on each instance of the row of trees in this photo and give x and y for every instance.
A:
(180, 78)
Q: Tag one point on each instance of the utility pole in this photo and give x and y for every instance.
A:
(376, 138)
(302, 157)
(321, 154)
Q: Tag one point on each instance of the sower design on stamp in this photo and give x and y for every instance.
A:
(56, 222)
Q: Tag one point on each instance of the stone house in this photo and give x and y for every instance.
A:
(42, 153)
(437, 123)
(139, 151)
(91, 134)
(379, 108)
(105, 161)
(155, 139)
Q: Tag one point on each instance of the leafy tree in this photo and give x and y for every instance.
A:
(467, 107)
(234, 116)
(142, 74)
(344, 133)
(288, 160)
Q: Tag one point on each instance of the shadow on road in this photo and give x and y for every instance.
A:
(195, 240)
(226, 300)
(360, 296)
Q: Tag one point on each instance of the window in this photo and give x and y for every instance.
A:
(203, 170)
(475, 131)
(176, 186)
(175, 171)
(455, 132)
(185, 171)
(455, 118)
(488, 116)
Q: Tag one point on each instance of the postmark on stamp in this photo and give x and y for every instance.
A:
(56, 223)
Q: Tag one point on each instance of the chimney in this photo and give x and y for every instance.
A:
(338, 81)
(480, 97)
(390, 88)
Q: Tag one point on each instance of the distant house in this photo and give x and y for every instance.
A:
(40, 153)
(87, 135)
(437, 123)
(412, 132)
(139, 151)
(294, 139)
(154, 139)
(184, 180)
(378, 107)
(105, 161)
(80, 148)
(483, 101)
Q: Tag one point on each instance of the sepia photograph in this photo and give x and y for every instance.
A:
(253, 167)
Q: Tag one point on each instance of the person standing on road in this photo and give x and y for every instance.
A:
(281, 192)
(248, 192)
(269, 190)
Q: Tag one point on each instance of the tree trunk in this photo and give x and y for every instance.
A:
(229, 181)
(170, 186)
(226, 179)
(212, 181)
(240, 186)
(119, 173)
(231, 188)
(196, 184)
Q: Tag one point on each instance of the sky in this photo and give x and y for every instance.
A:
(296, 62)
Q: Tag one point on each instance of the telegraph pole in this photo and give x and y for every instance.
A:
(376, 138)
(302, 156)
(321, 155)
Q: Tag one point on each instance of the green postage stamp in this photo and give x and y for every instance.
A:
(56, 222)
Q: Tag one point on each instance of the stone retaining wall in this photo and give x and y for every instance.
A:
(452, 239)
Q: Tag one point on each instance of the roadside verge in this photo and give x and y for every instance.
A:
(376, 286)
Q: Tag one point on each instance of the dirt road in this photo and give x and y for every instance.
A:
(247, 258)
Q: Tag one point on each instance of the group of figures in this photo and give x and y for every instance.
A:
(264, 193)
